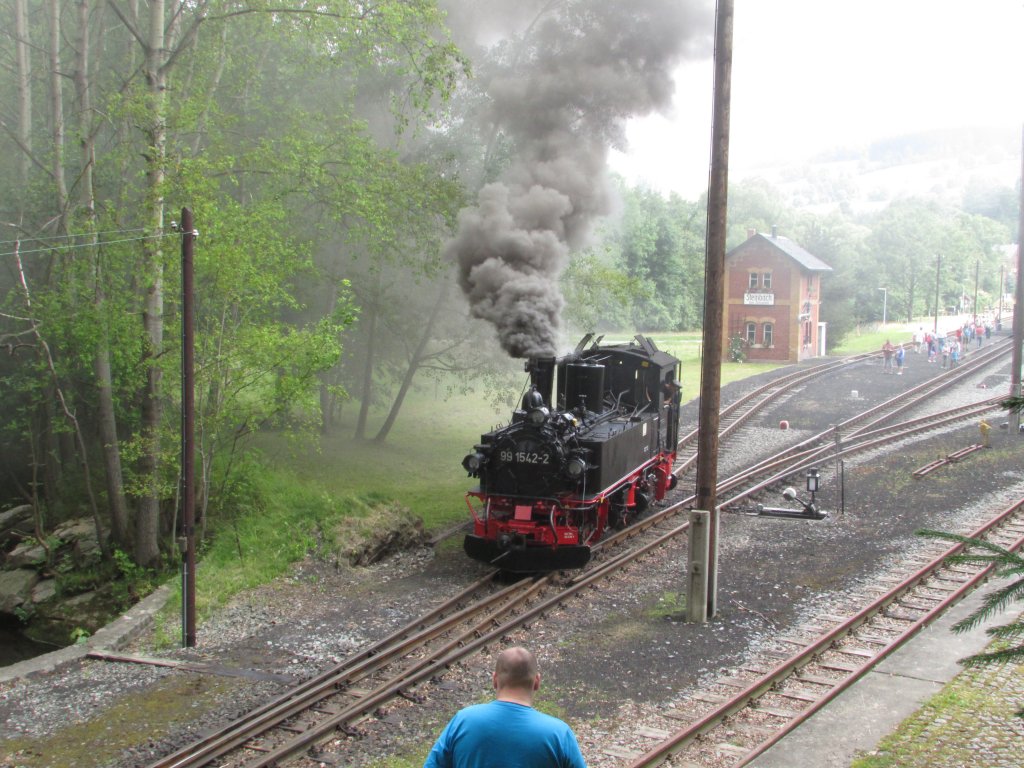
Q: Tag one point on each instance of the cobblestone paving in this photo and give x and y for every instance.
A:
(971, 723)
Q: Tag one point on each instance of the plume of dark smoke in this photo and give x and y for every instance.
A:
(586, 66)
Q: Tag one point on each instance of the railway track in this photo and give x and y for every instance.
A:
(870, 429)
(341, 697)
(740, 411)
(667, 525)
(741, 716)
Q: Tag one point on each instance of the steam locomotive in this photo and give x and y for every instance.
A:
(590, 449)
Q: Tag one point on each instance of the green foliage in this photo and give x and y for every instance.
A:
(1013, 404)
(137, 581)
(671, 605)
(1006, 565)
(79, 636)
(659, 246)
(120, 578)
(275, 518)
(737, 349)
(599, 297)
(870, 341)
(24, 613)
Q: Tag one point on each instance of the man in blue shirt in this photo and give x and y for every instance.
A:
(507, 732)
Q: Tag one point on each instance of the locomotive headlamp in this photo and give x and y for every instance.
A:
(812, 480)
(538, 416)
(472, 462)
(576, 466)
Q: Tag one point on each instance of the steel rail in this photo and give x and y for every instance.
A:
(326, 681)
(434, 663)
(794, 464)
(741, 410)
(828, 640)
(790, 466)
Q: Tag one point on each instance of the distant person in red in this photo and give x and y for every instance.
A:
(887, 354)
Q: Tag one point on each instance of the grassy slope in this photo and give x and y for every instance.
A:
(419, 465)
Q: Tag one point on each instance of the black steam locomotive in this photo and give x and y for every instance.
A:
(590, 449)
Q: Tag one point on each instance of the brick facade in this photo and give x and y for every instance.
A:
(772, 299)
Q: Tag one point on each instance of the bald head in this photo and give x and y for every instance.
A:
(516, 671)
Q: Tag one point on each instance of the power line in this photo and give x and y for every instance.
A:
(68, 237)
(89, 245)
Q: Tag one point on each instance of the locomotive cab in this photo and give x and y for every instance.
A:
(591, 448)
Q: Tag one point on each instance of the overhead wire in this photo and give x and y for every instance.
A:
(87, 245)
(69, 236)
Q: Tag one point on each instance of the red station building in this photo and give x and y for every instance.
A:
(772, 297)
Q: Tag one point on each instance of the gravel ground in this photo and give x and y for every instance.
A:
(614, 662)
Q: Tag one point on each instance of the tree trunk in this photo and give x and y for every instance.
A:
(147, 521)
(414, 364)
(118, 508)
(49, 450)
(24, 96)
(367, 389)
(57, 117)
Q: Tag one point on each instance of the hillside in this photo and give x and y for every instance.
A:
(977, 168)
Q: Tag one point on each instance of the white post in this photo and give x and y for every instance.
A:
(697, 567)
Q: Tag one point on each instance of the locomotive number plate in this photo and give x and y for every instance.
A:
(525, 457)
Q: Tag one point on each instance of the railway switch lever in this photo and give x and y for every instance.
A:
(810, 509)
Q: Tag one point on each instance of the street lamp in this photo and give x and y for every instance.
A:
(885, 303)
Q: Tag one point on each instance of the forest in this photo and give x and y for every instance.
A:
(386, 195)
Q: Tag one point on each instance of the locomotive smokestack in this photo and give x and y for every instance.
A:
(574, 85)
(542, 376)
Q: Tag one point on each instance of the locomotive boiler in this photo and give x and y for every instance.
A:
(590, 449)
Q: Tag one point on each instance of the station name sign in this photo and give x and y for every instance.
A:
(759, 299)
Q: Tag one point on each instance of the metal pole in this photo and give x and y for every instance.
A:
(938, 265)
(714, 295)
(838, 440)
(1018, 307)
(977, 265)
(1002, 290)
(188, 494)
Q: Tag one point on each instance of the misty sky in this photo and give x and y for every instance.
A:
(813, 74)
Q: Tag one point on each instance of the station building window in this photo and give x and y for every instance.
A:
(753, 280)
(768, 332)
(751, 333)
(766, 280)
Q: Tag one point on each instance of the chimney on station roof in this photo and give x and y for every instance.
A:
(775, 231)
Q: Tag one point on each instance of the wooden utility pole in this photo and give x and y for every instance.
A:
(714, 299)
